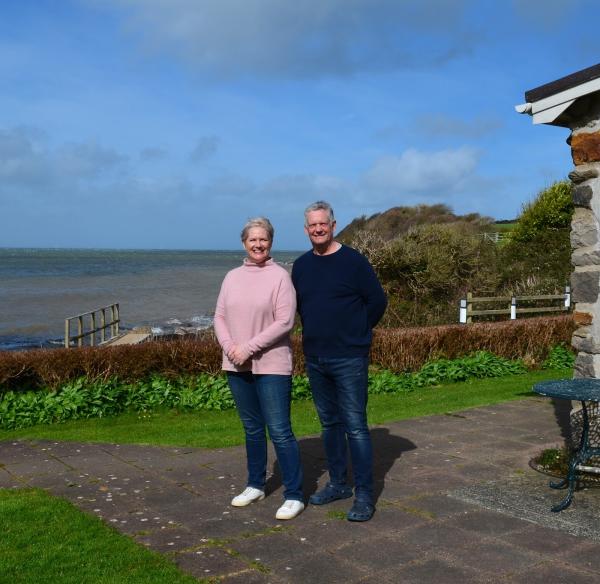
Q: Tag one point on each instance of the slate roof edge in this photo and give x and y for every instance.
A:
(563, 84)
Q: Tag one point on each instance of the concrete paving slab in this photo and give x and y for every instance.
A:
(457, 503)
(493, 558)
(434, 570)
(554, 572)
(545, 542)
(214, 562)
(528, 498)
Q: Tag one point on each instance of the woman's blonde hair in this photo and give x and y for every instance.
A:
(258, 222)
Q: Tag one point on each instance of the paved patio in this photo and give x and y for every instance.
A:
(457, 502)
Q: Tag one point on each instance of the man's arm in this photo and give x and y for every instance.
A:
(373, 295)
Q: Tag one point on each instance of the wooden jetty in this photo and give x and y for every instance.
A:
(101, 327)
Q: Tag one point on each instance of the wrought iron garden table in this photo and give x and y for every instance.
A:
(583, 390)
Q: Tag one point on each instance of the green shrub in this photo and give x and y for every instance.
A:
(539, 248)
(84, 398)
(559, 357)
(427, 270)
(552, 209)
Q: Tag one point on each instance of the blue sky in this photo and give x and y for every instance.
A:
(167, 123)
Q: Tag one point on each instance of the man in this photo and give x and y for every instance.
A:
(340, 300)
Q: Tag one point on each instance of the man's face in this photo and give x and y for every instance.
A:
(319, 229)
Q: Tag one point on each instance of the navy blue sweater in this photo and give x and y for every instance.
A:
(340, 300)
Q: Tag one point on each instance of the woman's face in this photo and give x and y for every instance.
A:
(257, 244)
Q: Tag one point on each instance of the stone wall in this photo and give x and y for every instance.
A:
(585, 241)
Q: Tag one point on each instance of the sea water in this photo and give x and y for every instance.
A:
(39, 288)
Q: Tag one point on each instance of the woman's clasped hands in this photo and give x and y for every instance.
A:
(238, 354)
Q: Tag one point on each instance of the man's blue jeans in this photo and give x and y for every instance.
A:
(339, 388)
(264, 400)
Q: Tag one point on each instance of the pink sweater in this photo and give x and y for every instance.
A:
(255, 311)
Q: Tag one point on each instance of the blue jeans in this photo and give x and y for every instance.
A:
(339, 388)
(264, 400)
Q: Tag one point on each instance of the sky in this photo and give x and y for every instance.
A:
(168, 123)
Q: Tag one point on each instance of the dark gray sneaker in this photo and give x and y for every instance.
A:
(330, 493)
(361, 511)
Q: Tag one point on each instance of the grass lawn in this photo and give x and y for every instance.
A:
(219, 429)
(505, 226)
(47, 540)
(52, 542)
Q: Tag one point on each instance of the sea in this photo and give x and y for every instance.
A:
(40, 288)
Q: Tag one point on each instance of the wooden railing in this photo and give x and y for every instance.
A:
(562, 303)
(98, 324)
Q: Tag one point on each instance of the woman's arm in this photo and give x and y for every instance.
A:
(284, 313)
(219, 322)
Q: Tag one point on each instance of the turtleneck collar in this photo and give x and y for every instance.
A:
(252, 266)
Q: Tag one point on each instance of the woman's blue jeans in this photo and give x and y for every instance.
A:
(264, 401)
(339, 388)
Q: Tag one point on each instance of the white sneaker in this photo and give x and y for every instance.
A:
(289, 509)
(247, 496)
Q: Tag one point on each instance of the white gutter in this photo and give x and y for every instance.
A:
(548, 109)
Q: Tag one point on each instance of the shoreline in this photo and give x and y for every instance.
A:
(170, 327)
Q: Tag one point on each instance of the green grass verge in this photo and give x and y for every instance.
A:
(47, 540)
(74, 547)
(505, 226)
(220, 429)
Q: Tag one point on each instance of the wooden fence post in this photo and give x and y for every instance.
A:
(469, 307)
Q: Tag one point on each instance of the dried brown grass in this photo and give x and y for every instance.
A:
(405, 349)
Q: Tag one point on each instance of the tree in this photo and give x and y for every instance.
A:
(539, 246)
(552, 209)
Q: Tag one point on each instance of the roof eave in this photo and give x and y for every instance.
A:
(549, 109)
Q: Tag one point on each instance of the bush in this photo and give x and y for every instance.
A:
(551, 210)
(539, 246)
(427, 270)
(399, 350)
(530, 339)
(54, 367)
(559, 357)
(427, 258)
(85, 398)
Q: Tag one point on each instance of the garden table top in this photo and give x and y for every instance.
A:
(581, 389)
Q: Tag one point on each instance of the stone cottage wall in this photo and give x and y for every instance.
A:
(585, 241)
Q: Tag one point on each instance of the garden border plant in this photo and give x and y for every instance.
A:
(89, 398)
(398, 350)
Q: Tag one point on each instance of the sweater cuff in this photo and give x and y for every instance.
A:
(245, 351)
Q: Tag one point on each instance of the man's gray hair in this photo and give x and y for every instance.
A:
(258, 222)
(319, 206)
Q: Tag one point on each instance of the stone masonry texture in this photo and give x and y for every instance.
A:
(585, 280)
(585, 147)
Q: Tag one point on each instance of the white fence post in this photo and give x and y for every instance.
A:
(567, 296)
(513, 308)
(462, 313)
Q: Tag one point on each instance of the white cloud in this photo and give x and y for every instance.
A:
(87, 160)
(30, 169)
(423, 174)
(22, 159)
(300, 39)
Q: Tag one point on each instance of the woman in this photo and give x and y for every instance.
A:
(254, 315)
